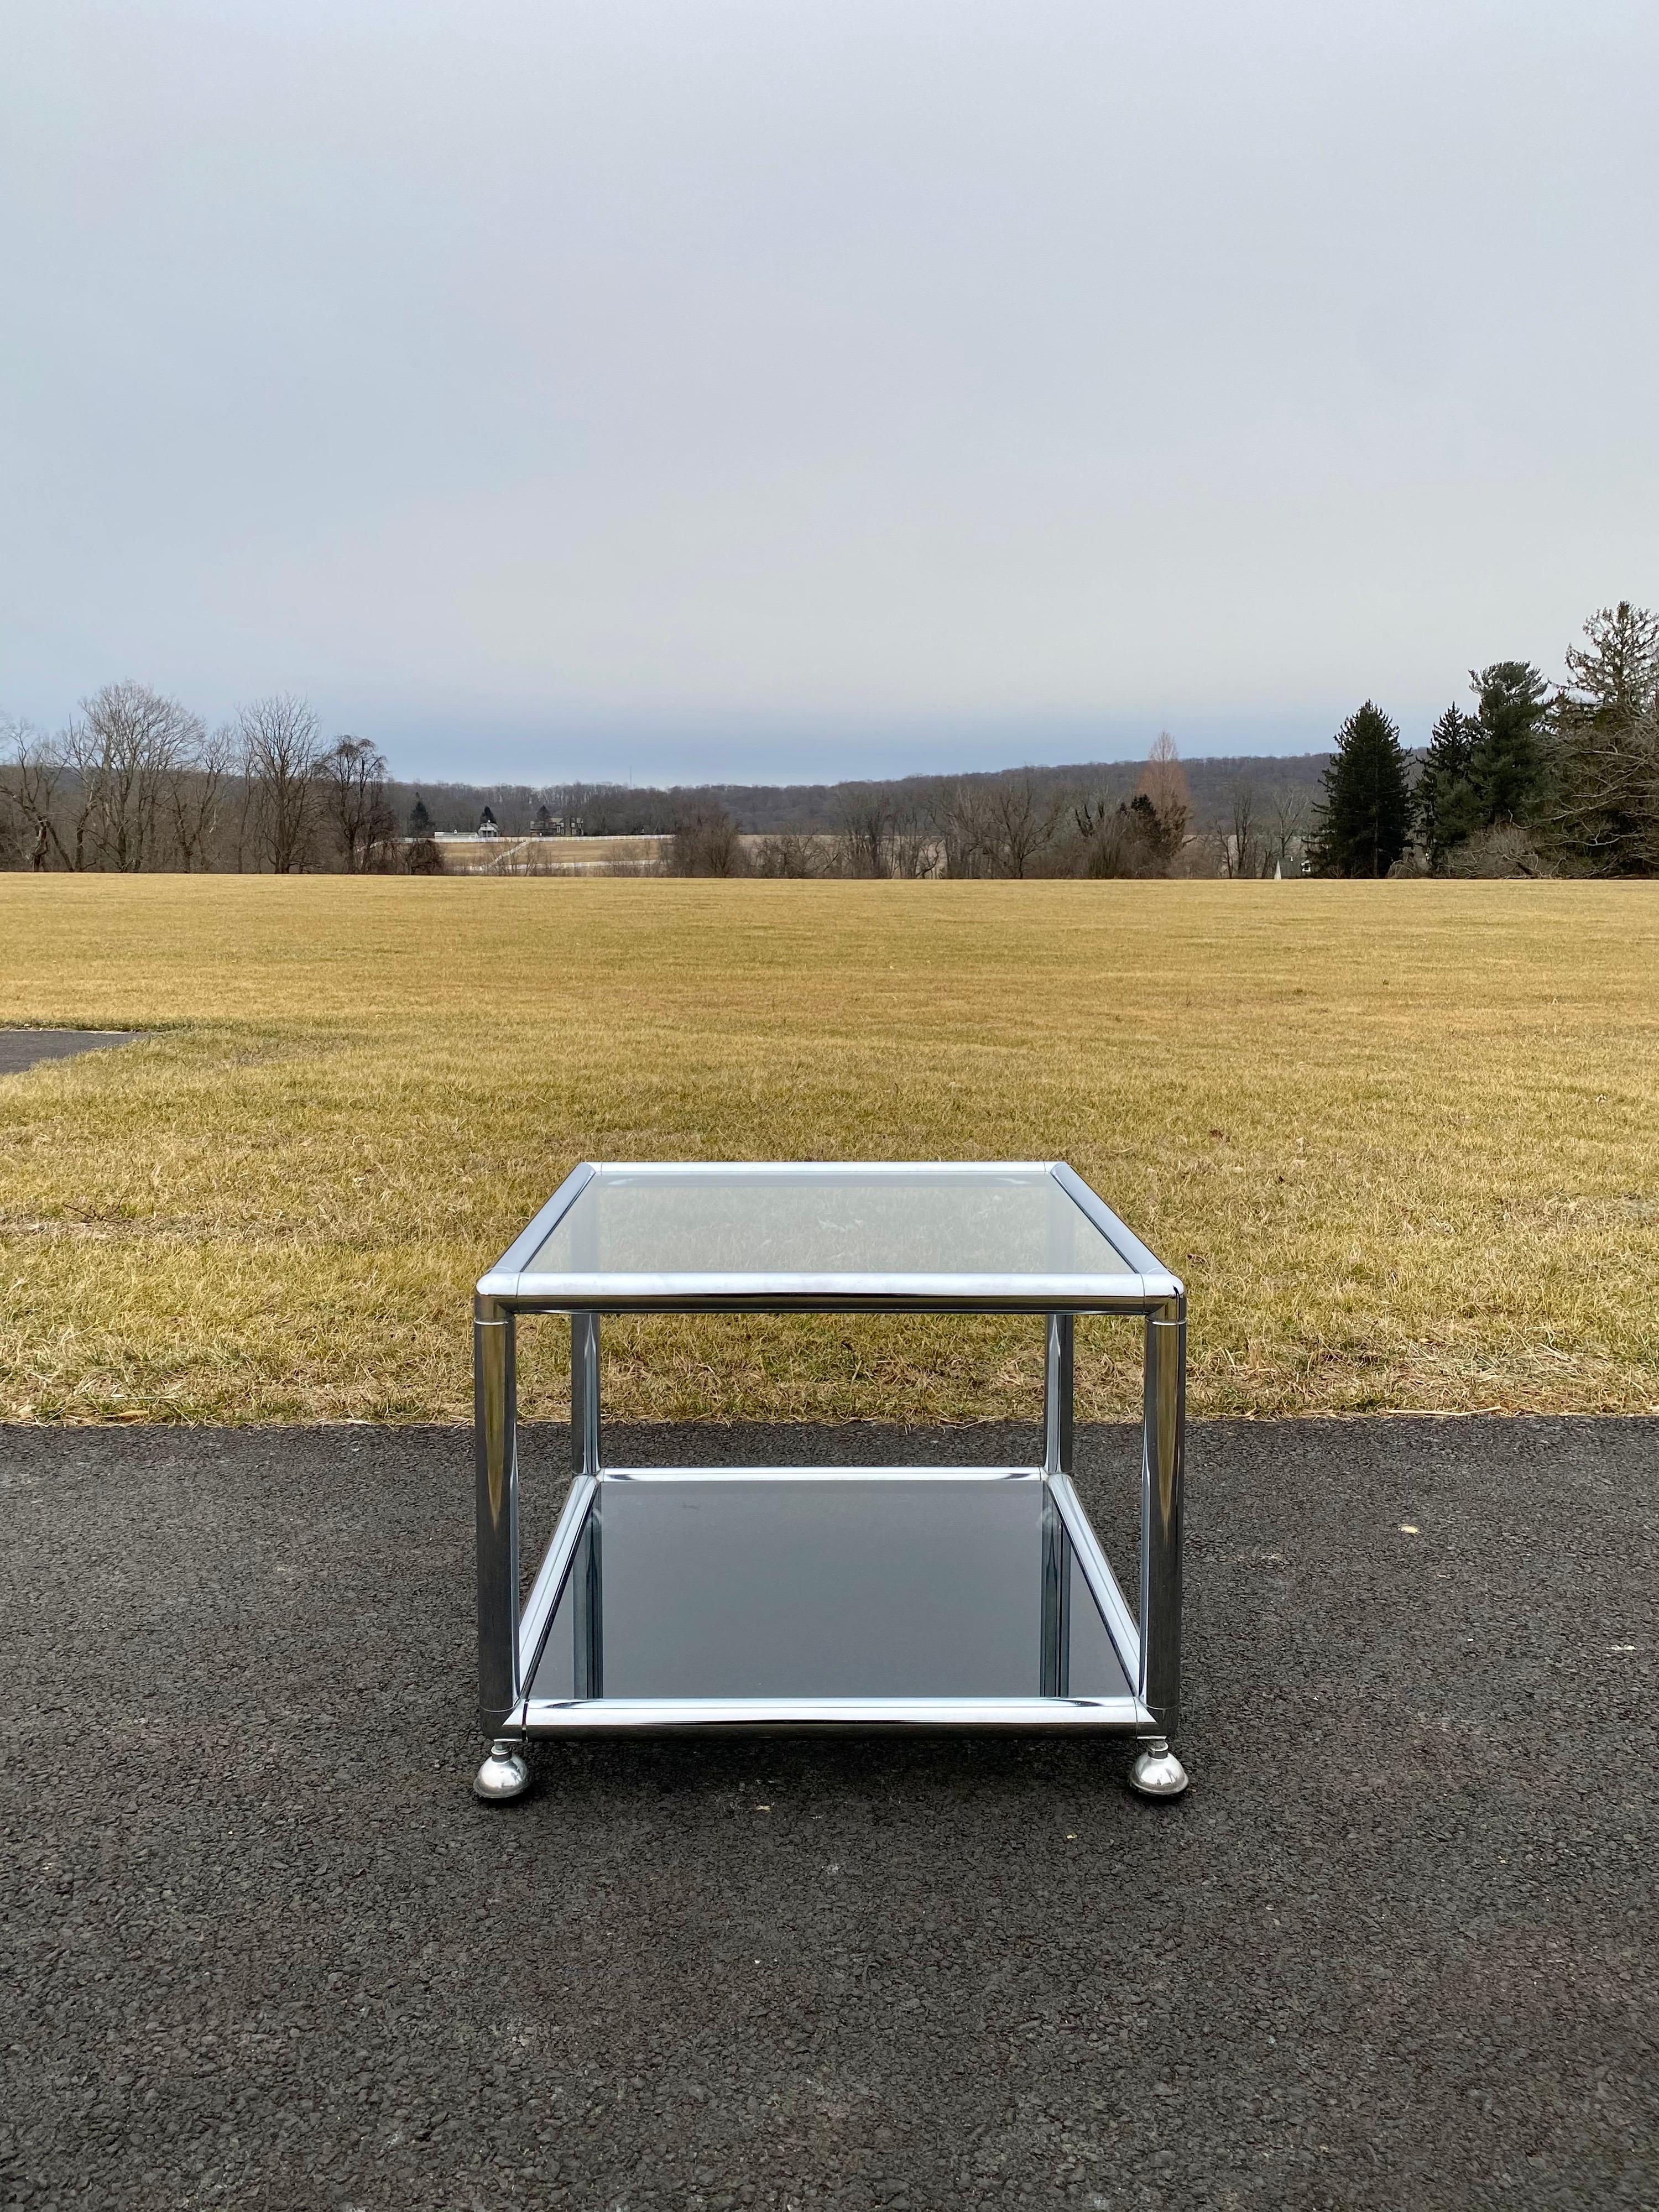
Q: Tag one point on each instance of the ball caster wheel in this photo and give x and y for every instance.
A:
(1158, 1772)
(504, 1775)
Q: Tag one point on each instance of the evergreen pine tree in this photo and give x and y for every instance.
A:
(1367, 807)
(1448, 808)
(1507, 768)
(1605, 799)
(1614, 675)
(420, 822)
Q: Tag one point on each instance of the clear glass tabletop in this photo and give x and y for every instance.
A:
(776, 1587)
(731, 1229)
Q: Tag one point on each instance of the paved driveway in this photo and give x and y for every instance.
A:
(25, 1048)
(1399, 1948)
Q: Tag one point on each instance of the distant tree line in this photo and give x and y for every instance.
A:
(1538, 780)
(1530, 778)
(1120, 821)
(819, 810)
(1013, 825)
(136, 781)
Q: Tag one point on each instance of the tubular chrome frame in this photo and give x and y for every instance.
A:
(1139, 1283)
(511, 1638)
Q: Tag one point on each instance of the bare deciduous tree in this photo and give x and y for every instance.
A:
(865, 829)
(281, 753)
(1243, 850)
(1138, 836)
(353, 773)
(707, 843)
(1002, 825)
(884, 832)
(103, 793)
(1106, 840)
(972, 830)
(956, 821)
(790, 854)
(193, 801)
(35, 773)
(12, 818)
(913, 850)
(1287, 829)
(1126, 839)
(127, 747)
(1021, 820)
(1163, 784)
(421, 855)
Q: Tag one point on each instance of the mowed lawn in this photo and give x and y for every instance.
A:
(1400, 1139)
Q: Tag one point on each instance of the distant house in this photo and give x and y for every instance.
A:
(488, 825)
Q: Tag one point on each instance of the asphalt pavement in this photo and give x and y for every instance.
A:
(20, 1049)
(1398, 1948)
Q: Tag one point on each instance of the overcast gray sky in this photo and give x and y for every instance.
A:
(783, 388)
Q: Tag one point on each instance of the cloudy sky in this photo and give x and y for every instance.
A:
(783, 388)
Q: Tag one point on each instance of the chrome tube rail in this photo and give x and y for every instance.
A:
(495, 1402)
(511, 1638)
(555, 1716)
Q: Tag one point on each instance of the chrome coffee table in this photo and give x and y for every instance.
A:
(726, 1599)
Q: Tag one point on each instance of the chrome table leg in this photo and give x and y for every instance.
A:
(1158, 1772)
(504, 1773)
(1056, 1678)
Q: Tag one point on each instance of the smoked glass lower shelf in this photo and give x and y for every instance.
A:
(702, 1597)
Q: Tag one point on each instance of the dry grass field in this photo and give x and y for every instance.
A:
(1401, 1139)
